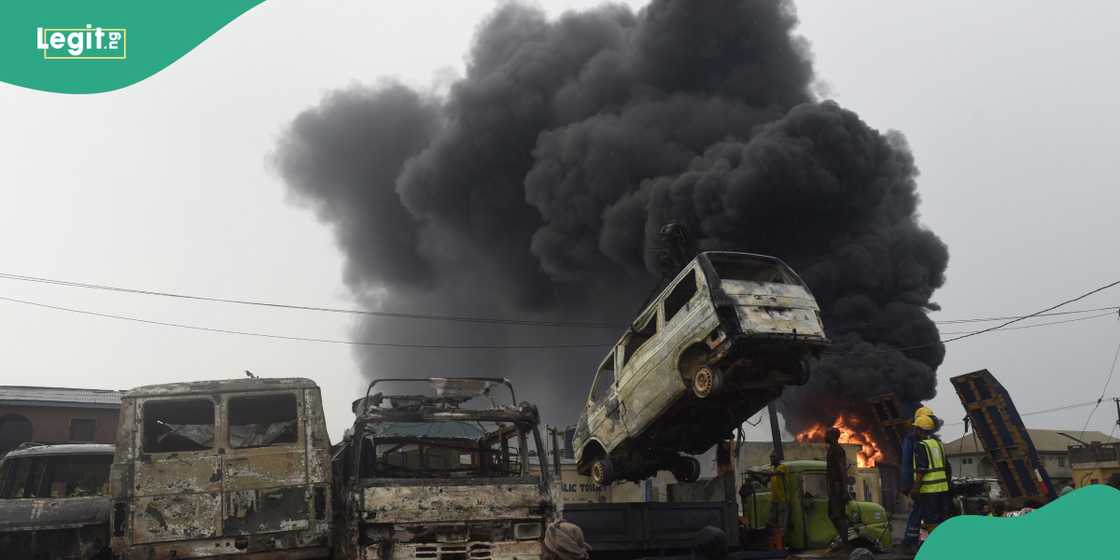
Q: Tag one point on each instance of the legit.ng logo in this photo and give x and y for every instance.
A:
(88, 43)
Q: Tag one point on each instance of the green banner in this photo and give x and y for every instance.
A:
(92, 46)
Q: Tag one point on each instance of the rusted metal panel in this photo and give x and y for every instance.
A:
(265, 511)
(32, 514)
(220, 386)
(178, 473)
(265, 468)
(431, 503)
(176, 517)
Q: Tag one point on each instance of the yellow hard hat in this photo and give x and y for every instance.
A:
(924, 422)
(922, 411)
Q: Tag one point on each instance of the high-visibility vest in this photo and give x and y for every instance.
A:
(935, 477)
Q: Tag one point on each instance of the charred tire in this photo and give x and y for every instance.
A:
(602, 471)
(686, 469)
(707, 381)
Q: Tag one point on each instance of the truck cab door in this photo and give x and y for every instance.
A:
(818, 528)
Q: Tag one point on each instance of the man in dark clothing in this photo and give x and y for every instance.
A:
(836, 472)
(710, 543)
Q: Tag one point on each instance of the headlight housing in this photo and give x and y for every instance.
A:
(527, 531)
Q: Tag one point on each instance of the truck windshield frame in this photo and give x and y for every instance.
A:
(497, 450)
(56, 476)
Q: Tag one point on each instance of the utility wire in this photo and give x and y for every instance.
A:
(1012, 321)
(1049, 323)
(308, 339)
(1044, 411)
(433, 317)
(1111, 371)
(351, 311)
(1052, 314)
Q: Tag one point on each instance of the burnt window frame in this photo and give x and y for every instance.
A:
(651, 321)
(227, 423)
(216, 421)
(610, 360)
(92, 432)
(695, 276)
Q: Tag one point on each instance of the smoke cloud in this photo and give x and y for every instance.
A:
(536, 185)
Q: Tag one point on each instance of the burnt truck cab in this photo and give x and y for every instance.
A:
(721, 340)
(54, 501)
(445, 476)
(215, 468)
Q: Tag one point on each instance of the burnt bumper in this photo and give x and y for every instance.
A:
(290, 545)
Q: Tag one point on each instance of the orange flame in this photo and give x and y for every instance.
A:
(869, 453)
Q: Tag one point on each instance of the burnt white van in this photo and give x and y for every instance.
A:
(710, 350)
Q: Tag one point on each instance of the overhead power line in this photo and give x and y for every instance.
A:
(1013, 321)
(308, 339)
(1111, 371)
(440, 317)
(1113, 308)
(1046, 324)
(1044, 411)
(343, 310)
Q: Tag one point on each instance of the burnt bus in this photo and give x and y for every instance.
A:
(214, 468)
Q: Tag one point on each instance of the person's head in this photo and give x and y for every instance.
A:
(923, 411)
(861, 554)
(710, 543)
(564, 541)
(999, 508)
(924, 424)
(774, 461)
(832, 435)
(986, 508)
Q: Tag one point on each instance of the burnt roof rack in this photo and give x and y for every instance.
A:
(448, 390)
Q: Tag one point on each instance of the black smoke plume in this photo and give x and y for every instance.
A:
(537, 185)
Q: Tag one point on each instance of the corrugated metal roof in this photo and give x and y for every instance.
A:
(20, 395)
(1045, 441)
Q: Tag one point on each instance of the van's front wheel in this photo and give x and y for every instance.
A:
(602, 471)
(707, 381)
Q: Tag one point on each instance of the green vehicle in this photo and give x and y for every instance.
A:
(809, 526)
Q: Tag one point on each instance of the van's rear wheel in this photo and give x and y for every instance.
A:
(602, 471)
(686, 469)
(707, 381)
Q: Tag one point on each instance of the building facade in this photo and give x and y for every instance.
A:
(968, 458)
(57, 415)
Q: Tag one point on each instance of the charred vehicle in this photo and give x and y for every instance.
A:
(215, 468)
(54, 501)
(718, 343)
(445, 476)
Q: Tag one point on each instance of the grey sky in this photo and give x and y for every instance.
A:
(166, 185)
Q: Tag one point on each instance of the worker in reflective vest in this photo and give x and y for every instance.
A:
(932, 500)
